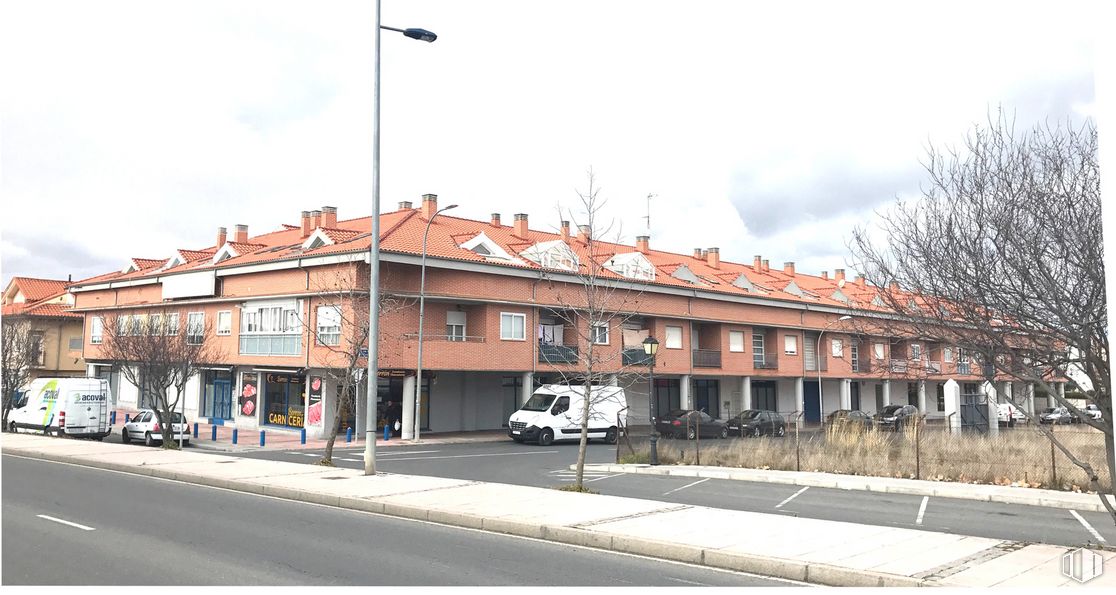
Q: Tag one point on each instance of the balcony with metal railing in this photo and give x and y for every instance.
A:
(707, 358)
(636, 356)
(557, 354)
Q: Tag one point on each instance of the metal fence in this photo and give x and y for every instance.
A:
(1021, 455)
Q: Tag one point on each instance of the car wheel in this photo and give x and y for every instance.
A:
(124, 437)
(1011, 423)
(691, 434)
(610, 435)
(756, 432)
(546, 437)
(724, 433)
(782, 431)
(11, 427)
(148, 439)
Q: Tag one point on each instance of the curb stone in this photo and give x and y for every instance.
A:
(712, 557)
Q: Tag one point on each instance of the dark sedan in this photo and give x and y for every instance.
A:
(893, 417)
(849, 419)
(757, 422)
(687, 423)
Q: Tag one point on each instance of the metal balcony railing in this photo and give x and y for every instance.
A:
(899, 365)
(636, 356)
(557, 354)
(707, 358)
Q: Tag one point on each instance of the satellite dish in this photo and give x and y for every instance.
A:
(841, 283)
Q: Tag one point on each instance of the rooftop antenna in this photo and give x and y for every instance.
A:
(648, 217)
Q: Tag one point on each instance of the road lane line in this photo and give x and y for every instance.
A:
(1088, 527)
(688, 485)
(309, 454)
(406, 452)
(793, 496)
(922, 510)
(602, 477)
(499, 454)
(50, 518)
(352, 460)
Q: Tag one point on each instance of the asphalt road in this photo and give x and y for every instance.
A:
(107, 528)
(524, 464)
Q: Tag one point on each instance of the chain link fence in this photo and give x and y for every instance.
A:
(920, 449)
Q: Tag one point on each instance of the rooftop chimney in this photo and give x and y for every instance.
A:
(221, 234)
(766, 265)
(893, 287)
(404, 204)
(839, 274)
(315, 219)
(329, 217)
(757, 264)
(643, 244)
(697, 254)
(429, 205)
(306, 223)
(241, 233)
(495, 221)
(860, 280)
(788, 268)
(520, 225)
(825, 275)
(584, 233)
(565, 230)
(713, 257)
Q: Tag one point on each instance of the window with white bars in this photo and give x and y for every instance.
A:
(195, 328)
(329, 325)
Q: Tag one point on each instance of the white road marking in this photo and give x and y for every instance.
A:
(688, 485)
(406, 452)
(604, 477)
(352, 460)
(922, 510)
(309, 454)
(50, 518)
(680, 580)
(1087, 526)
(498, 454)
(793, 496)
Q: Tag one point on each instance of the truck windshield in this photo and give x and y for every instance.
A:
(538, 402)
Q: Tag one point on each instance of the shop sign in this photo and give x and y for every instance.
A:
(293, 418)
(246, 403)
(314, 410)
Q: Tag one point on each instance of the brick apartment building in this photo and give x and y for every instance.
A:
(732, 336)
(43, 306)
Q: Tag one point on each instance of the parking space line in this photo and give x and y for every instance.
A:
(50, 518)
(687, 486)
(495, 454)
(405, 452)
(793, 496)
(1088, 527)
(922, 510)
(602, 477)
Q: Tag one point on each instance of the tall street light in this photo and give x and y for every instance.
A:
(650, 347)
(817, 364)
(374, 247)
(422, 301)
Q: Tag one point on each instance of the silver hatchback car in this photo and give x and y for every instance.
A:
(145, 426)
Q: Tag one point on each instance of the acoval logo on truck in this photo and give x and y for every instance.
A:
(49, 397)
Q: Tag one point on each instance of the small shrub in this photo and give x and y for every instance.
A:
(575, 488)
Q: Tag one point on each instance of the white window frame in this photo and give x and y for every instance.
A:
(198, 337)
(674, 342)
(328, 334)
(736, 341)
(837, 347)
(97, 330)
(456, 329)
(224, 328)
(916, 351)
(172, 324)
(522, 325)
(878, 350)
(947, 354)
(790, 344)
(596, 334)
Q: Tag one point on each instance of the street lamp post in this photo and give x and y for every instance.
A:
(817, 364)
(374, 245)
(422, 300)
(650, 347)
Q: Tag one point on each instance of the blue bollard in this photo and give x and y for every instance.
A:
(112, 418)
(195, 429)
(349, 435)
(127, 418)
(215, 434)
(234, 434)
(302, 435)
(261, 437)
(387, 432)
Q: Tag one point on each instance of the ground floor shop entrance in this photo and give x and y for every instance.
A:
(284, 399)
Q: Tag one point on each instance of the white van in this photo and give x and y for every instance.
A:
(554, 413)
(78, 407)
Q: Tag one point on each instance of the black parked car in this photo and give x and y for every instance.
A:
(849, 419)
(756, 422)
(893, 417)
(686, 423)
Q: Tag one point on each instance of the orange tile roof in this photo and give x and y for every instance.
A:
(34, 289)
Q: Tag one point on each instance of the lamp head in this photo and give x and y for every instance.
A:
(650, 346)
(420, 34)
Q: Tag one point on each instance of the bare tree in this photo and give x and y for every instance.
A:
(340, 327)
(159, 357)
(18, 352)
(1003, 257)
(597, 301)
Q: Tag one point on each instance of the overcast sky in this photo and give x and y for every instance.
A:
(135, 128)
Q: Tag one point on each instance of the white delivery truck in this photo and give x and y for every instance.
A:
(554, 413)
(77, 407)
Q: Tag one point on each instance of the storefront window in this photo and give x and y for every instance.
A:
(284, 400)
(216, 399)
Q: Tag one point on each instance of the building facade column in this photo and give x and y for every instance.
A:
(746, 392)
(1061, 389)
(1031, 398)
(527, 389)
(952, 392)
(684, 392)
(408, 431)
(1007, 392)
(922, 397)
(991, 399)
(799, 400)
(846, 393)
(886, 393)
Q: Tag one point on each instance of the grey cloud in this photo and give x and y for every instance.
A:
(48, 256)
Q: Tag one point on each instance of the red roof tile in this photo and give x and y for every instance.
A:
(34, 289)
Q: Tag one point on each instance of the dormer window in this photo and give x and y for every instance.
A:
(554, 254)
(317, 240)
(226, 252)
(484, 246)
(632, 265)
(683, 273)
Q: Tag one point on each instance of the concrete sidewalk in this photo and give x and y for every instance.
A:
(817, 551)
(890, 485)
(249, 440)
